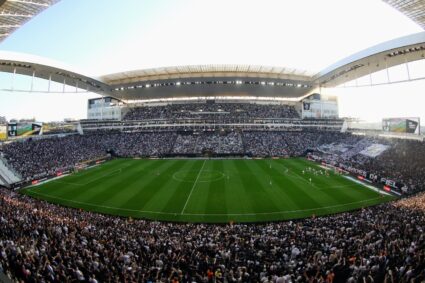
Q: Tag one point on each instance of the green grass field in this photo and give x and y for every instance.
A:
(219, 191)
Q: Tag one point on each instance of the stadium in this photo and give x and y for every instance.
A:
(211, 172)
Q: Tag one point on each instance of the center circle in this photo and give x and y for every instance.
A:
(196, 176)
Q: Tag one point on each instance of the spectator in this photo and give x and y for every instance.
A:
(42, 242)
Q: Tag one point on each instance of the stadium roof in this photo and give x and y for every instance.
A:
(158, 82)
(414, 9)
(179, 72)
(391, 53)
(15, 13)
(39, 67)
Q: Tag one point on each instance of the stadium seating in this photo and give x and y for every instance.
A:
(402, 161)
(219, 111)
(48, 243)
(42, 242)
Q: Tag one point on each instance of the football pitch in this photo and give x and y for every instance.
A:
(207, 190)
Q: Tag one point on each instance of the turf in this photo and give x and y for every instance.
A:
(219, 191)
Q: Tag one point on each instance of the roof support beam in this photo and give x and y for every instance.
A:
(29, 2)
(9, 14)
(9, 26)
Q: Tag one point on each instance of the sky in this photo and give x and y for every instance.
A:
(107, 36)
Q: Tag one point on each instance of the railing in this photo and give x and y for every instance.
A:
(177, 124)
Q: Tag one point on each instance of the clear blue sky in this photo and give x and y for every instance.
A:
(104, 36)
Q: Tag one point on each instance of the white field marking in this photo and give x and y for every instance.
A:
(203, 214)
(326, 168)
(206, 181)
(67, 183)
(47, 181)
(87, 170)
(367, 186)
(194, 184)
(115, 172)
(55, 179)
(300, 177)
(342, 186)
(332, 187)
(119, 170)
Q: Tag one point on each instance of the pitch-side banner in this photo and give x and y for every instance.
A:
(402, 125)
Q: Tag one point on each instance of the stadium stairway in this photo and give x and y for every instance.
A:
(7, 175)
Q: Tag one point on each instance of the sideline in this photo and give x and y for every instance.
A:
(57, 178)
(203, 214)
(367, 186)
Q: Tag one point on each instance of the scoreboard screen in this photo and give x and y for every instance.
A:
(401, 125)
(24, 129)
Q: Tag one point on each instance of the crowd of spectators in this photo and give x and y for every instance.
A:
(231, 143)
(219, 143)
(36, 158)
(264, 144)
(215, 111)
(284, 143)
(184, 144)
(42, 242)
(403, 161)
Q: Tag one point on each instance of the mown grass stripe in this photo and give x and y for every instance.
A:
(209, 214)
(242, 193)
(171, 195)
